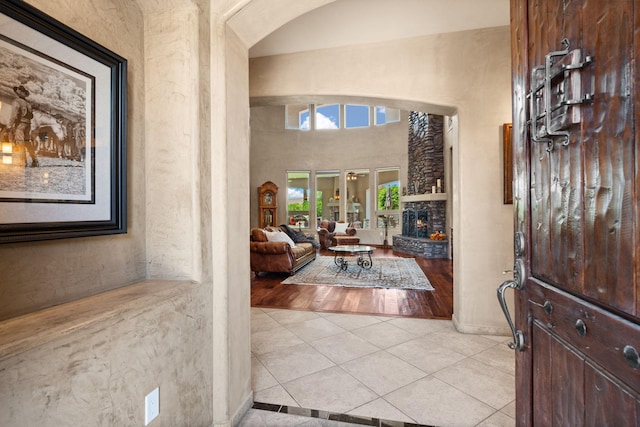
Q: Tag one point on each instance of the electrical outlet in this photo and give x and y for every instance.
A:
(151, 405)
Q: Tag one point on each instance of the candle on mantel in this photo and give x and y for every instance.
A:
(439, 183)
(433, 189)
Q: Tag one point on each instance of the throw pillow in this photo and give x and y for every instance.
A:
(341, 228)
(279, 236)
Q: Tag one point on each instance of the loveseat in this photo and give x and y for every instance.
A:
(330, 233)
(279, 254)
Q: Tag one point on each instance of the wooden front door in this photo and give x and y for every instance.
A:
(575, 123)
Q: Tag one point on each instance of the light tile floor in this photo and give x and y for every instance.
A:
(411, 370)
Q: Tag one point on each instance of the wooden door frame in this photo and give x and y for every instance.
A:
(521, 203)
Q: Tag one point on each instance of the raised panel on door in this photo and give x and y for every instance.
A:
(602, 338)
(541, 243)
(609, 157)
(582, 200)
(571, 390)
(567, 378)
(609, 402)
(542, 393)
(556, 177)
(558, 381)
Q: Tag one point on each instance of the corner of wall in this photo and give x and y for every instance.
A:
(242, 410)
(479, 329)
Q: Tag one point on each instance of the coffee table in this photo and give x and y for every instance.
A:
(340, 252)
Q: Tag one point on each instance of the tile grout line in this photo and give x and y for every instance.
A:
(334, 416)
(344, 330)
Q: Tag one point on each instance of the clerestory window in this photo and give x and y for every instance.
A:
(297, 117)
(384, 115)
(328, 116)
(356, 116)
(333, 116)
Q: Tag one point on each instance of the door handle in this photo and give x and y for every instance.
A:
(518, 336)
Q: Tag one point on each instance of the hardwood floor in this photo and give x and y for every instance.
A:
(268, 292)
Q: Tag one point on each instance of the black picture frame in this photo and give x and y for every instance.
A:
(66, 176)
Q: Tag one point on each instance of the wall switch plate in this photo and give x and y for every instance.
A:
(151, 405)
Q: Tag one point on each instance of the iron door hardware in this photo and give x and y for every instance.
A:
(631, 356)
(556, 94)
(518, 244)
(517, 283)
(518, 336)
(581, 327)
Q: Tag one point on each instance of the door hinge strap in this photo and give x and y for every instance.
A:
(555, 95)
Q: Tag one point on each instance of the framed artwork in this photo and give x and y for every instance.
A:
(507, 156)
(62, 130)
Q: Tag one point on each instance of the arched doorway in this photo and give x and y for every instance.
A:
(459, 76)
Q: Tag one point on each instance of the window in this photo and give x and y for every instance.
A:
(327, 116)
(384, 115)
(358, 198)
(387, 198)
(356, 116)
(298, 198)
(328, 196)
(297, 117)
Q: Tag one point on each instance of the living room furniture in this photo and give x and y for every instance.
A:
(268, 204)
(278, 256)
(332, 233)
(339, 240)
(340, 252)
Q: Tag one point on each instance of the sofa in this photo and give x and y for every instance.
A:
(330, 234)
(278, 255)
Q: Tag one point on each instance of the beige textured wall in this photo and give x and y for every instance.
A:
(98, 373)
(37, 275)
(118, 347)
(229, 218)
(237, 247)
(172, 153)
(468, 71)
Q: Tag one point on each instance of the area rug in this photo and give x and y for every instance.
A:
(393, 273)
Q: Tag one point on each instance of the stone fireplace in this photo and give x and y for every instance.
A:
(424, 210)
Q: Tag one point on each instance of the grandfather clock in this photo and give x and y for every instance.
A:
(268, 204)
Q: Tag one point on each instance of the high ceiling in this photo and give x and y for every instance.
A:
(351, 22)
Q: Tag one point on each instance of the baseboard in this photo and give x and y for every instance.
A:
(479, 329)
(242, 410)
